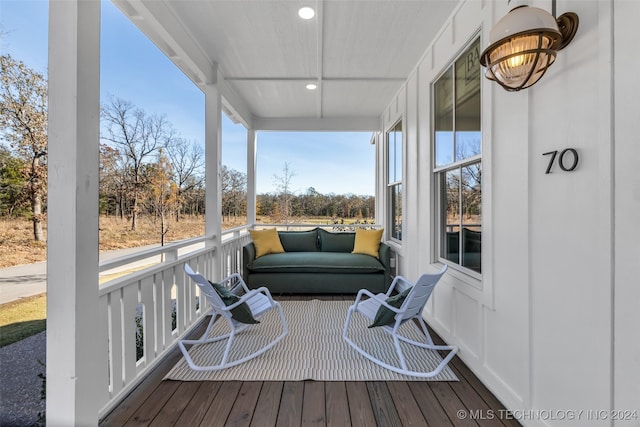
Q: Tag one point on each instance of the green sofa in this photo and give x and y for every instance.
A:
(317, 261)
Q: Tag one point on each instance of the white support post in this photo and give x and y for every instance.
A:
(213, 172)
(76, 351)
(251, 176)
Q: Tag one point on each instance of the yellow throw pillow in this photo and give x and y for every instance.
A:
(266, 242)
(367, 242)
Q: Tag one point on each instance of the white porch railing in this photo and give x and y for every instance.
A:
(145, 301)
(160, 301)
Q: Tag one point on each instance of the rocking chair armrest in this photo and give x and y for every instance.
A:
(397, 280)
(361, 293)
(264, 290)
(380, 299)
(240, 283)
(248, 295)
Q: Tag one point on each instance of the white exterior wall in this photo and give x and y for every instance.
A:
(626, 209)
(553, 325)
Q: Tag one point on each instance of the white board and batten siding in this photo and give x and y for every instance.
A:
(553, 324)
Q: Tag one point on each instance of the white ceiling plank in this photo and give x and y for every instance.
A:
(358, 52)
(325, 124)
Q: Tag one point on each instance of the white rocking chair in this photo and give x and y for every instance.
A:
(259, 302)
(410, 309)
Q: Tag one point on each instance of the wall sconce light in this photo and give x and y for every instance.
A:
(524, 44)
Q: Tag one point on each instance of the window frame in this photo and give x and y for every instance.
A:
(438, 172)
(397, 183)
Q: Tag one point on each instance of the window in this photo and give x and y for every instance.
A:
(394, 181)
(458, 161)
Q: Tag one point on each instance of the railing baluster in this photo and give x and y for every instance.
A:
(128, 338)
(116, 342)
(146, 296)
(104, 362)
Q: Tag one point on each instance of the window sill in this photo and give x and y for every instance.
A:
(464, 276)
(395, 245)
(469, 283)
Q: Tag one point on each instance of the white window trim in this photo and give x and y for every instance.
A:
(474, 281)
(393, 242)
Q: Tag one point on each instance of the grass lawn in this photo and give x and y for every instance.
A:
(27, 316)
(23, 318)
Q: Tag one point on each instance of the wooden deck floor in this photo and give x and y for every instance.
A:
(310, 403)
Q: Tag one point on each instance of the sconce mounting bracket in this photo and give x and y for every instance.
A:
(568, 26)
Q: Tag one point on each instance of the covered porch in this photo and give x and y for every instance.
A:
(531, 299)
(254, 87)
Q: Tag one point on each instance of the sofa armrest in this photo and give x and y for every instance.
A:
(248, 256)
(384, 254)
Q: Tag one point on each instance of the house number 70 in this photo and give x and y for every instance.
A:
(565, 165)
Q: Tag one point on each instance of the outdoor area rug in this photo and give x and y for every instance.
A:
(312, 350)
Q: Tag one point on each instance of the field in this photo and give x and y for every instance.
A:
(23, 318)
(18, 247)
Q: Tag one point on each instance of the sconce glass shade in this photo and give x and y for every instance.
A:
(523, 46)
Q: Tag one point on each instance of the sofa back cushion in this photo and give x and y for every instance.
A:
(299, 241)
(336, 242)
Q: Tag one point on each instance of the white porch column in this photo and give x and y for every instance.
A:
(213, 171)
(75, 362)
(251, 176)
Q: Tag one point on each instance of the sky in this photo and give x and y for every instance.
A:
(132, 68)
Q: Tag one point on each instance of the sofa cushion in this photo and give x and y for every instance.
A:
(266, 242)
(336, 242)
(299, 241)
(367, 242)
(316, 262)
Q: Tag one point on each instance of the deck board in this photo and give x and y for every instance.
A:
(151, 407)
(266, 412)
(408, 409)
(360, 409)
(290, 413)
(194, 413)
(157, 402)
(313, 408)
(451, 404)
(431, 408)
(175, 406)
(337, 404)
(383, 408)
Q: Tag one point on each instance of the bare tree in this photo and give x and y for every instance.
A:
(284, 192)
(187, 159)
(234, 192)
(137, 136)
(162, 191)
(23, 123)
(114, 183)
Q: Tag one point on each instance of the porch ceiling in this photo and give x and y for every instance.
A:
(358, 52)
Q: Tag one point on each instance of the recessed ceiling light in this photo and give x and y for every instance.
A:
(306, 12)
(311, 86)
